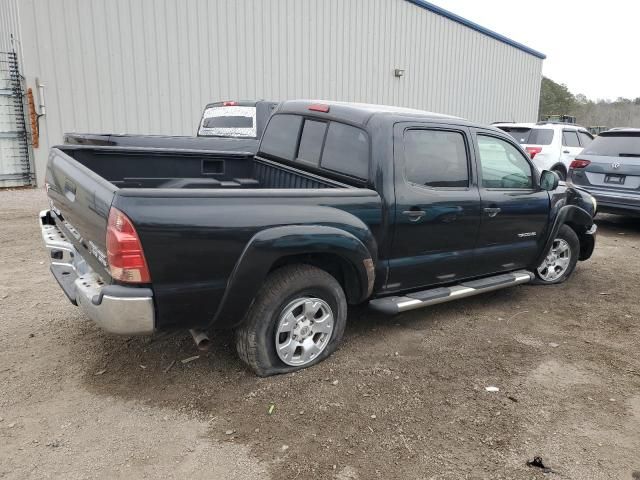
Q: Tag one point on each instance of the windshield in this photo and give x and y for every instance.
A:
(230, 121)
(615, 145)
(530, 136)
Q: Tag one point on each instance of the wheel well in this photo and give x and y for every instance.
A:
(580, 233)
(559, 166)
(335, 265)
(578, 229)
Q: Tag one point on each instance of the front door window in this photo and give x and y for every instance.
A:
(503, 165)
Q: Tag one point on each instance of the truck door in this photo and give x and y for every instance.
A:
(514, 210)
(437, 206)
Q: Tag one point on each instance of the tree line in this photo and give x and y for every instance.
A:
(556, 99)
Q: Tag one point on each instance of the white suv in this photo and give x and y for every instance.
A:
(551, 145)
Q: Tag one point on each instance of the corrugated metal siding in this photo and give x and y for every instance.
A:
(15, 161)
(9, 24)
(149, 66)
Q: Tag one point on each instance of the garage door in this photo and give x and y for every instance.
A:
(15, 165)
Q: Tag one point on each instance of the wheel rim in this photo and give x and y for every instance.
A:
(556, 262)
(303, 331)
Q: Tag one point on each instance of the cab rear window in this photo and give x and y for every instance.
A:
(280, 139)
(311, 142)
(346, 150)
(327, 145)
(228, 121)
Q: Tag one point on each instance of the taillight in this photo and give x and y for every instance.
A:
(533, 151)
(577, 163)
(229, 103)
(124, 250)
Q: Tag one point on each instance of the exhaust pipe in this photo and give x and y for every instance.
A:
(201, 338)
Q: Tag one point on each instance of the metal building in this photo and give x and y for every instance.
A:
(16, 167)
(142, 66)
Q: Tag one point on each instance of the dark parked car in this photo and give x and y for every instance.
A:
(343, 204)
(609, 169)
(232, 126)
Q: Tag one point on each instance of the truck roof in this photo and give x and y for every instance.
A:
(358, 113)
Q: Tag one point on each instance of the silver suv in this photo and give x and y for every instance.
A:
(609, 169)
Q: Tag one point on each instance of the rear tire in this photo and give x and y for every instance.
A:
(561, 173)
(296, 320)
(561, 259)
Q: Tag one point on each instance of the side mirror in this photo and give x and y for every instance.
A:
(549, 180)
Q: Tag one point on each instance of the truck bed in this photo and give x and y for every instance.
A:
(162, 190)
(126, 167)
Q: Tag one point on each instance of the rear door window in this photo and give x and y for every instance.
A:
(280, 139)
(585, 138)
(436, 158)
(346, 150)
(570, 138)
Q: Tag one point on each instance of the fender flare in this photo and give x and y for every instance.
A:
(567, 214)
(266, 247)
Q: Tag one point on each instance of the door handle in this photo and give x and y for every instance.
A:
(414, 214)
(492, 212)
(566, 151)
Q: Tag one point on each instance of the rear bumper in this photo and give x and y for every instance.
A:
(616, 202)
(618, 208)
(116, 309)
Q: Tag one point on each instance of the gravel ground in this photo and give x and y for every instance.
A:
(403, 398)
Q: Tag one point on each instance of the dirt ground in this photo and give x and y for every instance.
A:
(403, 398)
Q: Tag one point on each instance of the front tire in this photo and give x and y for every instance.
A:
(561, 259)
(297, 320)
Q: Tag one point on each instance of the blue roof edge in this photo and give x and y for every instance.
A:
(478, 28)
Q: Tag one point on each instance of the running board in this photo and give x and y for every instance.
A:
(424, 298)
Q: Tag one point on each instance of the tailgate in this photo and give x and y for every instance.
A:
(80, 201)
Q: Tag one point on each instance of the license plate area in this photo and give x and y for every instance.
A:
(614, 179)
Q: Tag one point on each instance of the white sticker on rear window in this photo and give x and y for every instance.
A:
(231, 121)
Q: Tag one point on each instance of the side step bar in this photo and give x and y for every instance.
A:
(424, 298)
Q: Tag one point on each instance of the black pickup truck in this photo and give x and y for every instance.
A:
(342, 204)
(230, 126)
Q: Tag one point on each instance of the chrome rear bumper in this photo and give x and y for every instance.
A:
(116, 309)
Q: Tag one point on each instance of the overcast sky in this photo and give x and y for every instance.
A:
(591, 46)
